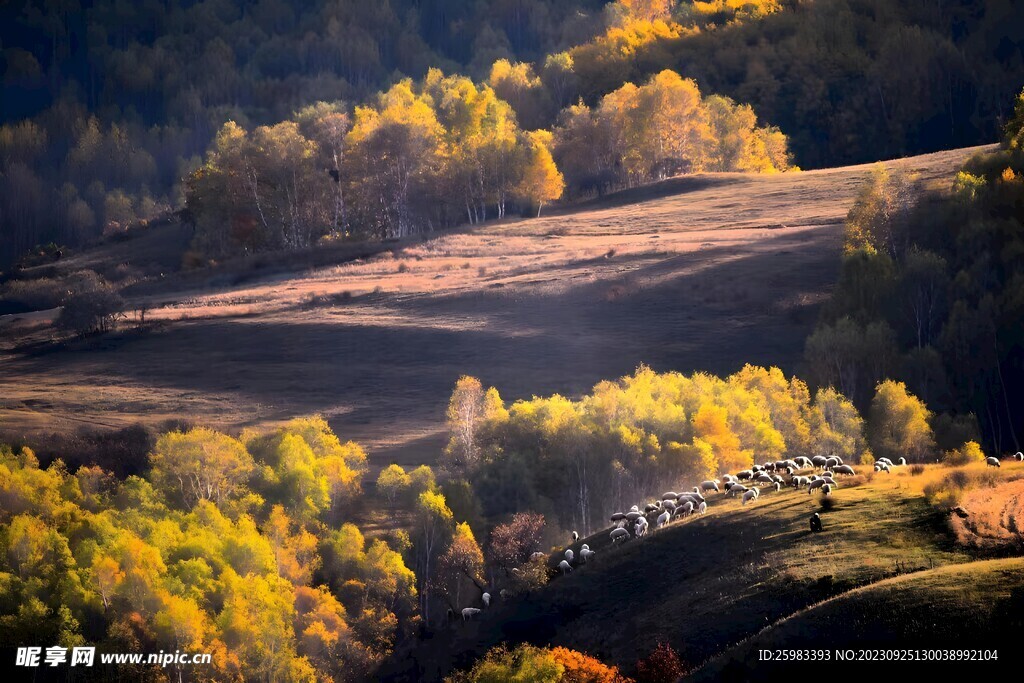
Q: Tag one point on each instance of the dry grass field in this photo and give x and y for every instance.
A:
(702, 272)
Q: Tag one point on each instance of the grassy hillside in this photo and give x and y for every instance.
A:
(973, 605)
(704, 272)
(712, 581)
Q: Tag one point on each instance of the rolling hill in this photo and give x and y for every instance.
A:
(701, 272)
(884, 572)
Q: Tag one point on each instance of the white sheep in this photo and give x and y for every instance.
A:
(819, 461)
(587, 554)
(668, 505)
(845, 469)
(686, 509)
(749, 496)
(826, 489)
(565, 567)
(887, 461)
(881, 466)
(575, 537)
(745, 474)
(634, 509)
(764, 479)
(756, 492)
(1018, 456)
(992, 462)
(702, 508)
(663, 518)
(619, 534)
(709, 486)
(641, 528)
(831, 462)
(778, 486)
(901, 461)
(669, 495)
(469, 612)
(569, 556)
(486, 598)
(738, 488)
(816, 484)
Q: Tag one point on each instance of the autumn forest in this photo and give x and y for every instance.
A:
(590, 341)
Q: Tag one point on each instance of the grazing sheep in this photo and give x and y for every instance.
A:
(831, 482)
(768, 467)
(729, 485)
(587, 554)
(764, 479)
(568, 556)
(826, 490)
(745, 474)
(738, 488)
(565, 567)
(702, 508)
(901, 461)
(575, 537)
(756, 491)
(668, 505)
(633, 516)
(887, 461)
(641, 528)
(634, 509)
(1018, 456)
(831, 462)
(709, 486)
(778, 486)
(819, 461)
(828, 473)
(845, 469)
(816, 484)
(618, 516)
(619, 534)
(669, 495)
(486, 598)
(652, 507)
(803, 461)
(729, 477)
(663, 518)
(881, 466)
(686, 509)
(798, 482)
(749, 496)
(840, 459)
(992, 462)
(777, 478)
(469, 612)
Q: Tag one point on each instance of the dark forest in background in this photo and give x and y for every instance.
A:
(108, 105)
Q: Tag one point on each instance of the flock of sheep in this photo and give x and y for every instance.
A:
(672, 505)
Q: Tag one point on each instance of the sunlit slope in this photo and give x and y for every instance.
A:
(702, 272)
(710, 582)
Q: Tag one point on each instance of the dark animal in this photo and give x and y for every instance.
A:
(815, 522)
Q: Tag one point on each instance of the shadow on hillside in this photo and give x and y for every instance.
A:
(712, 310)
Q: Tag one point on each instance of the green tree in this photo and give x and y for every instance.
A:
(898, 424)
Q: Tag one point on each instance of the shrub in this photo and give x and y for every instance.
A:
(827, 503)
(966, 454)
(91, 306)
(916, 470)
(661, 666)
